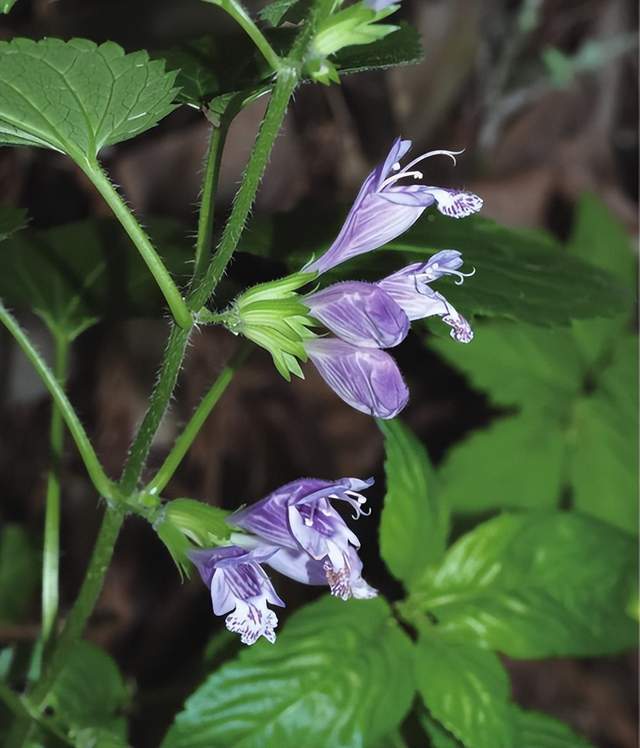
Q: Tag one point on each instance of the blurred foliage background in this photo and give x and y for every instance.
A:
(543, 96)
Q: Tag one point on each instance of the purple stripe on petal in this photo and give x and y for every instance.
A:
(360, 313)
(365, 378)
(454, 203)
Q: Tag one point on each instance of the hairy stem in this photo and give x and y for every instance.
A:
(51, 550)
(164, 280)
(102, 484)
(240, 15)
(200, 415)
(207, 203)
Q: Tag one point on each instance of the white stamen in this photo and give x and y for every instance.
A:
(401, 175)
(396, 166)
(308, 522)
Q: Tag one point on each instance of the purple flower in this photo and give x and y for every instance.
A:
(359, 313)
(410, 288)
(367, 379)
(240, 587)
(312, 542)
(385, 208)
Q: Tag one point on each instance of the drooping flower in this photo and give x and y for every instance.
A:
(410, 288)
(240, 587)
(362, 314)
(386, 208)
(367, 379)
(312, 542)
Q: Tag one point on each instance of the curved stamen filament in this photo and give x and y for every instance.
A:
(451, 154)
(428, 277)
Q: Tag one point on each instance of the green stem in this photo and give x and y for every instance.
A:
(22, 711)
(271, 124)
(240, 15)
(103, 485)
(160, 398)
(84, 604)
(51, 550)
(141, 240)
(207, 204)
(200, 415)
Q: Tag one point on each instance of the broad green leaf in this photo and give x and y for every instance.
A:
(77, 97)
(522, 275)
(466, 689)
(75, 274)
(535, 730)
(515, 462)
(90, 694)
(518, 364)
(210, 67)
(11, 220)
(604, 442)
(322, 685)
(414, 523)
(19, 573)
(536, 585)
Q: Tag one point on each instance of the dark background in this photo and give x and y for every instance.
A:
(532, 149)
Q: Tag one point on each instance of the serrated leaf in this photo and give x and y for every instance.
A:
(414, 522)
(75, 274)
(320, 686)
(89, 693)
(19, 573)
(539, 584)
(11, 220)
(77, 97)
(516, 462)
(466, 689)
(535, 730)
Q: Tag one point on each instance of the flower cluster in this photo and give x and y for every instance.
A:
(296, 531)
(366, 318)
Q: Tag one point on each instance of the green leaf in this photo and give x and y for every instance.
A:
(517, 364)
(516, 462)
(535, 730)
(75, 274)
(214, 66)
(604, 443)
(538, 584)
(11, 220)
(77, 97)
(90, 694)
(6, 5)
(19, 573)
(466, 689)
(320, 686)
(414, 523)
(438, 736)
(281, 10)
(521, 275)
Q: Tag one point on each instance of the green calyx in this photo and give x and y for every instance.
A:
(273, 316)
(352, 26)
(184, 523)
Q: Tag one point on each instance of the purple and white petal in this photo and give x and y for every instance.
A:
(365, 378)
(359, 313)
(240, 588)
(387, 205)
